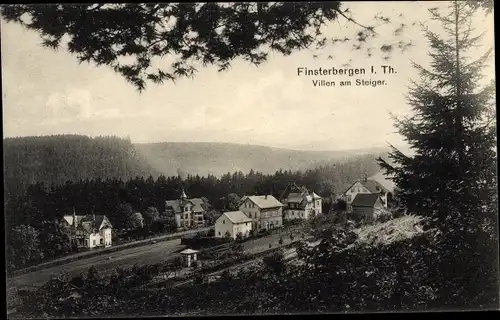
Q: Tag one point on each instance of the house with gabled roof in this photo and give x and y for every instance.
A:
(265, 211)
(367, 186)
(88, 231)
(300, 203)
(188, 213)
(233, 223)
(367, 206)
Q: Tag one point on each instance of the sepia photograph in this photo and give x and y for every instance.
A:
(249, 158)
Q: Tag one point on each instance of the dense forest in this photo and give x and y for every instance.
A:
(56, 159)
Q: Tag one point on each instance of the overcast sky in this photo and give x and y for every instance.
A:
(47, 92)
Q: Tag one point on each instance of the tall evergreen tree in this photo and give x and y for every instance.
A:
(451, 178)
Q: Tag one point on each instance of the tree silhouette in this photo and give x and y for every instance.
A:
(191, 33)
(22, 246)
(452, 176)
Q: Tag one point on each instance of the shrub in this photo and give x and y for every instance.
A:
(398, 212)
(383, 216)
(239, 237)
(340, 205)
(275, 263)
(355, 216)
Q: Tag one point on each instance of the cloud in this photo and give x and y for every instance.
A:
(72, 105)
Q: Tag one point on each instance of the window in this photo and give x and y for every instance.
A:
(102, 240)
(94, 242)
(219, 233)
(223, 221)
(349, 198)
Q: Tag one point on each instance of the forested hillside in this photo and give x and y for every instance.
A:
(56, 159)
(172, 158)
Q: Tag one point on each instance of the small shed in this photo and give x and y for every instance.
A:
(188, 256)
(365, 205)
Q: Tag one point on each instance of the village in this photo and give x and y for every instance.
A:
(366, 198)
(263, 225)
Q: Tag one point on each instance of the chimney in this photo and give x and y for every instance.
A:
(265, 197)
(93, 216)
(74, 217)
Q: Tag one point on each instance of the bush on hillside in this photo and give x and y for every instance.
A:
(383, 216)
(356, 216)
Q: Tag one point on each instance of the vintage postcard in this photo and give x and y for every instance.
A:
(210, 159)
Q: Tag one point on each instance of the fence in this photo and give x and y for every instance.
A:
(219, 267)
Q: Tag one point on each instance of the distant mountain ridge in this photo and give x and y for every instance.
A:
(172, 158)
(56, 159)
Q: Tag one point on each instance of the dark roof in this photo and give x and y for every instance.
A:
(295, 197)
(174, 205)
(99, 218)
(365, 200)
(87, 222)
(384, 180)
(198, 204)
(372, 186)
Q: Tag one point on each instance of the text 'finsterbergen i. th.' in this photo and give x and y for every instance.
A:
(347, 72)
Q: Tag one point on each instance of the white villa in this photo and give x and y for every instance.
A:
(367, 186)
(301, 204)
(233, 222)
(89, 231)
(189, 213)
(265, 211)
